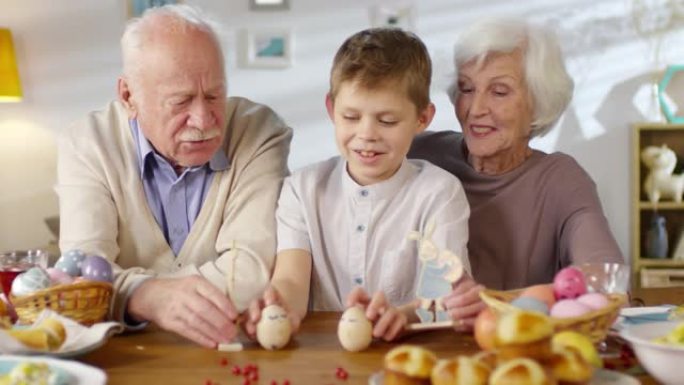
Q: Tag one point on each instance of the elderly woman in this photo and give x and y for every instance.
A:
(532, 213)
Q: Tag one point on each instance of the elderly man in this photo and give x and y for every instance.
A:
(174, 183)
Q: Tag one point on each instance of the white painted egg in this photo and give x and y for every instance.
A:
(30, 281)
(354, 331)
(274, 329)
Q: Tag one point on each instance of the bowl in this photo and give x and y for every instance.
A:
(607, 278)
(662, 361)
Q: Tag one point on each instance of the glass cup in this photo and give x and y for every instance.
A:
(13, 263)
(607, 278)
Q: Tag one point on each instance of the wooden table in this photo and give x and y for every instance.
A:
(157, 357)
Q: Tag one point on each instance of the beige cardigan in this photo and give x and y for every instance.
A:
(103, 209)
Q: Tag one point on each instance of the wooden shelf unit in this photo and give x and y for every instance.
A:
(654, 134)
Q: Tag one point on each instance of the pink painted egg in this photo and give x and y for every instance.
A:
(569, 283)
(59, 277)
(569, 308)
(594, 300)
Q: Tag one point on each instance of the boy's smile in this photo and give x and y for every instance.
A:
(374, 128)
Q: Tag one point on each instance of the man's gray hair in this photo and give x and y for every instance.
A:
(547, 79)
(178, 17)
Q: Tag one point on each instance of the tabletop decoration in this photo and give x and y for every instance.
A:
(440, 269)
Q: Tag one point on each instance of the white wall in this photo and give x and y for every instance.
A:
(69, 61)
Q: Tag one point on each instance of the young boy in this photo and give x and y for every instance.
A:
(343, 223)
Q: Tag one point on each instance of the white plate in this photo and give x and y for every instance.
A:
(80, 373)
(601, 377)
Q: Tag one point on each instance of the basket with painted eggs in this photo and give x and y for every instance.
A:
(5, 320)
(79, 286)
(575, 301)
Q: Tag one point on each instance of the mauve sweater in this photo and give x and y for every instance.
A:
(528, 223)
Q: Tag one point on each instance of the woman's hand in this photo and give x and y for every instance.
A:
(388, 321)
(463, 303)
(270, 297)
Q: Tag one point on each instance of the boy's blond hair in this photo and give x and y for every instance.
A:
(376, 56)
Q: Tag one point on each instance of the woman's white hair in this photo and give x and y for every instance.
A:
(546, 77)
(177, 17)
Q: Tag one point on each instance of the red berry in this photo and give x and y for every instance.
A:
(207, 382)
(224, 361)
(286, 382)
(236, 370)
(274, 382)
(246, 382)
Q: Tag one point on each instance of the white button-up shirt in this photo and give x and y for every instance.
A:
(358, 235)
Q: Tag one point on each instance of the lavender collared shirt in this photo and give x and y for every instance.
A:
(175, 200)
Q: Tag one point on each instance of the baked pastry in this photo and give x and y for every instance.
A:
(488, 358)
(408, 365)
(569, 367)
(49, 334)
(524, 334)
(460, 370)
(520, 371)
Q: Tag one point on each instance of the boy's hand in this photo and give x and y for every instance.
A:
(388, 321)
(463, 303)
(270, 297)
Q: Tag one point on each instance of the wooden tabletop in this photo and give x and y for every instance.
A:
(157, 357)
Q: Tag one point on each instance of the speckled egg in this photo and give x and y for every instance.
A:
(568, 308)
(569, 283)
(594, 300)
(59, 277)
(30, 281)
(71, 262)
(531, 304)
(97, 268)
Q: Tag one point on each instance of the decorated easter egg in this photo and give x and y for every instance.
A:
(568, 308)
(594, 300)
(531, 304)
(274, 329)
(354, 331)
(71, 262)
(96, 268)
(30, 281)
(542, 293)
(569, 283)
(59, 277)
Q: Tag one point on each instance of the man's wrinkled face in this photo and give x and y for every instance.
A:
(178, 97)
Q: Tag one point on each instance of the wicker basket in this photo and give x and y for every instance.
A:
(5, 320)
(86, 302)
(594, 324)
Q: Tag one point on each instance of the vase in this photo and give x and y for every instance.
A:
(656, 238)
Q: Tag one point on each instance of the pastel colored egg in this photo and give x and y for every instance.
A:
(531, 304)
(97, 268)
(484, 329)
(30, 281)
(71, 262)
(594, 300)
(59, 277)
(569, 283)
(542, 293)
(569, 308)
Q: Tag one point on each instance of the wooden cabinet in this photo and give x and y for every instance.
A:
(651, 272)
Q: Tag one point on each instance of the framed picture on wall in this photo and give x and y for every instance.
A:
(267, 48)
(393, 16)
(136, 8)
(269, 5)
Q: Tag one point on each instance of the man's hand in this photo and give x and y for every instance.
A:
(271, 296)
(388, 321)
(463, 303)
(189, 306)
